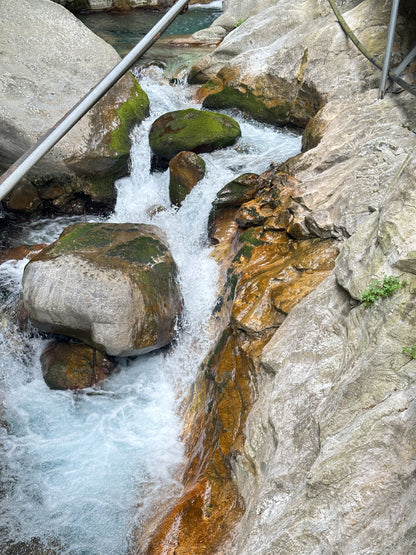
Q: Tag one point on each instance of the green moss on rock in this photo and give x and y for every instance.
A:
(192, 130)
(131, 112)
(142, 250)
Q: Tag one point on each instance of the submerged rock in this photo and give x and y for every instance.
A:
(185, 170)
(69, 365)
(194, 130)
(113, 286)
(50, 61)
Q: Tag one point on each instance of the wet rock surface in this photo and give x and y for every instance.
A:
(191, 130)
(113, 286)
(186, 169)
(69, 365)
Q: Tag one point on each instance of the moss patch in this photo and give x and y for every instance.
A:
(133, 111)
(192, 130)
(142, 250)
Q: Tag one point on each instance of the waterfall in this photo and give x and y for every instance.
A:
(81, 470)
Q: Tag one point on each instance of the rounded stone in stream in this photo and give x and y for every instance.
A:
(68, 365)
(112, 286)
(185, 170)
(195, 130)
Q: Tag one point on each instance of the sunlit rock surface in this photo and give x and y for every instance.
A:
(49, 62)
(112, 286)
(283, 65)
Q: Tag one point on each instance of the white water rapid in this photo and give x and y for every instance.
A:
(80, 470)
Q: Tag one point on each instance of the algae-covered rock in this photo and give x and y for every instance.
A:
(194, 130)
(113, 286)
(69, 365)
(185, 170)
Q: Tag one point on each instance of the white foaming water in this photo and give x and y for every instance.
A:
(81, 470)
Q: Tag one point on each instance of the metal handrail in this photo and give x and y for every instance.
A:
(19, 169)
(347, 30)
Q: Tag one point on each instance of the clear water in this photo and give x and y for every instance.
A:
(83, 470)
(125, 29)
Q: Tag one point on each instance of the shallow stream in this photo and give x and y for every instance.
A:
(80, 471)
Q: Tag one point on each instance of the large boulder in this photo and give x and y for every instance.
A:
(113, 286)
(49, 61)
(192, 130)
(283, 65)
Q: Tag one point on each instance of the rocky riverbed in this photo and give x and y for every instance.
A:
(300, 427)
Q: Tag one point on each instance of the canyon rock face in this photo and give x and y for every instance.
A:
(316, 444)
(284, 64)
(329, 460)
(112, 286)
(49, 61)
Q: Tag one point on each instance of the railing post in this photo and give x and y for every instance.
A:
(389, 47)
(19, 169)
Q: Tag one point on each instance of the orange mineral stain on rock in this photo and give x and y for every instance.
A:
(270, 273)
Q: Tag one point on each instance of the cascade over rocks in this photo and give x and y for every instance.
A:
(317, 432)
(112, 286)
(193, 130)
(49, 61)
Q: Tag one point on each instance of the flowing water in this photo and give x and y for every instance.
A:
(81, 470)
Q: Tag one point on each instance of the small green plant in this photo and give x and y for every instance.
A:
(411, 351)
(381, 288)
(241, 21)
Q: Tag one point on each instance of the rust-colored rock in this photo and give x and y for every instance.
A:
(210, 503)
(20, 252)
(270, 273)
(186, 169)
(69, 365)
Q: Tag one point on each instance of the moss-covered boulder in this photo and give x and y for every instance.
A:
(112, 286)
(195, 130)
(70, 365)
(185, 170)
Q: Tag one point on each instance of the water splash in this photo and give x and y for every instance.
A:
(84, 469)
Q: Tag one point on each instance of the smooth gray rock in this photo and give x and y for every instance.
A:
(49, 61)
(113, 286)
(263, 24)
(356, 148)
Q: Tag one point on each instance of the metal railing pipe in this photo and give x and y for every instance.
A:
(389, 48)
(19, 169)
